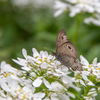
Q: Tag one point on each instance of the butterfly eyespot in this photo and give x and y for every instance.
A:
(76, 67)
(69, 47)
(74, 61)
(62, 37)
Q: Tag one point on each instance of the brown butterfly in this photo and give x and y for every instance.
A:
(66, 52)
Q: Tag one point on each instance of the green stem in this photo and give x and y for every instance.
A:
(86, 90)
(77, 28)
(28, 77)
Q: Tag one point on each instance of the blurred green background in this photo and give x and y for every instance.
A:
(31, 23)
(27, 24)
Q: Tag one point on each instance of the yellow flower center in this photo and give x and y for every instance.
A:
(45, 58)
(36, 57)
(20, 90)
(40, 60)
(24, 96)
(6, 75)
(89, 66)
(98, 68)
(12, 73)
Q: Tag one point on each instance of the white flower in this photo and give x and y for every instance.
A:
(78, 6)
(60, 6)
(38, 96)
(71, 95)
(37, 82)
(44, 65)
(40, 71)
(7, 71)
(7, 68)
(94, 20)
(46, 98)
(89, 70)
(54, 96)
(84, 61)
(47, 84)
(13, 88)
(86, 64)
(91, 94)
(89, 98)
(56, 86)
(35, 53)
(63, 97)
(75, 7)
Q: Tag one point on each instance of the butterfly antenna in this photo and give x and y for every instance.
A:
(47, 48)
(53, 53)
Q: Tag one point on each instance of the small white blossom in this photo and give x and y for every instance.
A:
(60, 6)
(41, 69)
(91, 94)
(37, 82)
(78, 6)
(75, 7)
(45, 78)
(38, 96)
(94, 20)
(54, 96)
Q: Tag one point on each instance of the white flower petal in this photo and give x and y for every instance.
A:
(56, 86)
(46, 98)
(84, 75)
(22, 63)
(95, 62)
(90, 83)
(84, 61)
(35, 53)
(43, 54)
(32, 74)
(54, 96)
(3, 63)
(58, 12)
(82, 82)
(4, 86)
(14, 77)
(71, 95)
(47, 84)
(24, 52)
(9, 68)
(38, 95)
(44, 65)
(76, 88)
(37, 82)
(63, 97)
(26, 68)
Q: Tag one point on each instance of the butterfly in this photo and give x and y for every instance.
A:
(66, 52)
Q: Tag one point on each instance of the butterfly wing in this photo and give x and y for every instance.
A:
(64, 46)
(70, 62)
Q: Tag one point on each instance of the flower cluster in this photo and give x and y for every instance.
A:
(94, 20)
(91, 7)
(89, 78)
(41, 77)
(44, 78)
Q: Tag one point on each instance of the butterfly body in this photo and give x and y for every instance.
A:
(66, 52)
